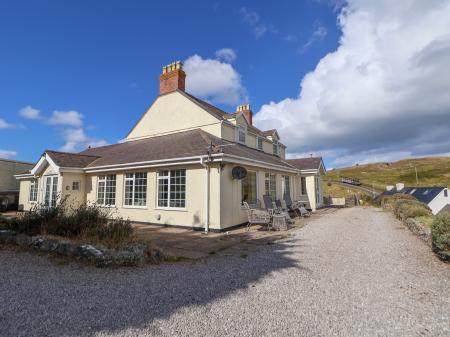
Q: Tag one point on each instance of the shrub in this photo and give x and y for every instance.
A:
(406, 206)
(440, 234)
(88, 222)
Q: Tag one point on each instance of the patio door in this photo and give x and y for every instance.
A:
(50, 191)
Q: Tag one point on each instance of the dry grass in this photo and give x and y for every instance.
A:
(432, 171)
(338, 191)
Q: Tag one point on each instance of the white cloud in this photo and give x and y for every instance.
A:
(319, 33)
(70, 118)
(77, 140)
(213, 80)
(5, 125)
(226, 54)
(30, 113)
(7, 154)
(384, 93)
(253, 20)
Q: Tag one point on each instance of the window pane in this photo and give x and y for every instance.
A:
(249, 188)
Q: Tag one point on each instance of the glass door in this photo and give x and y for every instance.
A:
(50, 191)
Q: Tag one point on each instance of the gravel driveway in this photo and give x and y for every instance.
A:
(353, 272)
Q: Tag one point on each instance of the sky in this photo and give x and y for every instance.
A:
(353, 81)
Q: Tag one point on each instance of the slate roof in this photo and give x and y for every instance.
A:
(311, 163)
(65, 159)
(445, 209)
(423, 194)
(172, 146)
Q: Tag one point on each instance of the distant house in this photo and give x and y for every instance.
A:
(310, 189)
(9, 186)
(437, 198)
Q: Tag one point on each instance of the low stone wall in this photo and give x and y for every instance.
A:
(419, 229)
(99, 255)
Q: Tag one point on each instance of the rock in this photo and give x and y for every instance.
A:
(49, 245)
(66, 248)
(90, 252)
(36, 241)
(23, 240)
(7, 237)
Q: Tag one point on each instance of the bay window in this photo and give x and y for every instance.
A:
(270, 185)
(248, 188)
(33, 190)
(106, 190)
(136, 189)
(172, 189)
(286, 188)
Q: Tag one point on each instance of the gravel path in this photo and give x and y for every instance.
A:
(354, 272)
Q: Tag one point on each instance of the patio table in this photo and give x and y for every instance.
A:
(279, 222)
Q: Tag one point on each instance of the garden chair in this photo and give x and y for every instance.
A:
(304, 212)
(272, 207)
(290, 205)
(258, 216)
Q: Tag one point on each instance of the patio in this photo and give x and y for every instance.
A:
(191, 244)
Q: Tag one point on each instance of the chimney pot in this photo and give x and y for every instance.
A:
(246, 111)
(172, 78)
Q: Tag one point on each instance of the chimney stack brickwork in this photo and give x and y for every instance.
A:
(246, 111)
(172, 78)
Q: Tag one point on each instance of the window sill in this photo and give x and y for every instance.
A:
(106, 206)
(134, 207)
(171, 209)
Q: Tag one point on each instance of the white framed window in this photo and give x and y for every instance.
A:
(303, 185)
(136, 189)
(106, 190)
(275, 148)
(33, 190)
(172, 189)
(249, 188)
(75, 185)
(286, 185)
(242, 131)
(259, 143)
(270, 184)
(50, 191)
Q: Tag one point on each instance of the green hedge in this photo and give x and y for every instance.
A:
(406, 206)
(440, 234)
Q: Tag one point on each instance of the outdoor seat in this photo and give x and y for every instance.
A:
(274, 209)
(290, 206)
(257, 216)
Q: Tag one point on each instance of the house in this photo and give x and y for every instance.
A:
(310, 189)
(437, 198)
(9, 186)
(177, 165)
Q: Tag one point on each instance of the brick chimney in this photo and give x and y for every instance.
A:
(246, 111)
(172, 78)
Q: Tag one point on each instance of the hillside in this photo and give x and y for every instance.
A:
(432, 171)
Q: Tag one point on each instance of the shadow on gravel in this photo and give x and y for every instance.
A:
(41, 299)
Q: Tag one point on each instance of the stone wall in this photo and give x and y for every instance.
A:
(100, 256)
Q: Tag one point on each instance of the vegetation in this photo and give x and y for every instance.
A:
(432, 171)
(338, 191)
(406, 206)
(87, 223)
(440, 233)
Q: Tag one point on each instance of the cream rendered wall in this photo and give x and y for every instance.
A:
(228, 132)
(74, 198)
(192, 216)
(173, 113)
(24, 194)
(232, 212)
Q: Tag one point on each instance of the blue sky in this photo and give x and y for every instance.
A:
(74, 73)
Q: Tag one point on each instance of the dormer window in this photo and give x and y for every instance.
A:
(241, 134)
(259, 143)
(275, 148)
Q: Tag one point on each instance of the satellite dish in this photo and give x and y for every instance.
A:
(239, 172)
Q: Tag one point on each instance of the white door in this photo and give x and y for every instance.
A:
(50, 191)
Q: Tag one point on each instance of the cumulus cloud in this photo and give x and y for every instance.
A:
(30, 113)
(226, 54)
(7, 154)
(383, 94)
(77, 140)
(70, 118)
(213, 80)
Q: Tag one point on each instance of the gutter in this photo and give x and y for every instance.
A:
(204, 163)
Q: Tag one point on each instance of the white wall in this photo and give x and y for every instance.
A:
(440, 201)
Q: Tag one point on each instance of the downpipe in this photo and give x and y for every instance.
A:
(205, 163)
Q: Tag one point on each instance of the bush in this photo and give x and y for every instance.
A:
(440, 234)
(406, 206)
(87, 222)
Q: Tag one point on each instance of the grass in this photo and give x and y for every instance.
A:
(431, 171)
(338, 191)
(426, 220)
